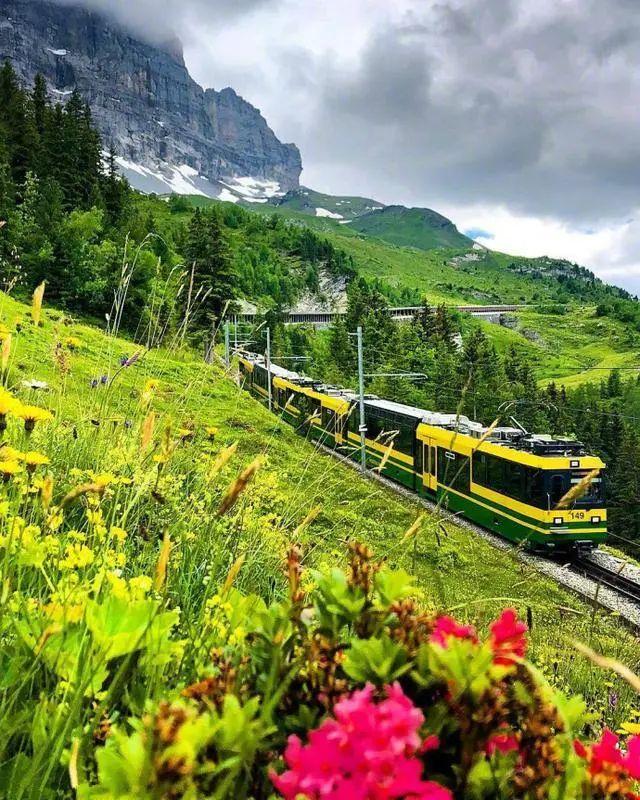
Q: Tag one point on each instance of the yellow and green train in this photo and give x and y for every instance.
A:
(506, 480)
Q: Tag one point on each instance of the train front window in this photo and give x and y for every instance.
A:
(594, 494)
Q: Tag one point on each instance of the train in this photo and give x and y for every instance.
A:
(504, 479)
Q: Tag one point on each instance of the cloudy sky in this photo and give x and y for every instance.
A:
(519, 119)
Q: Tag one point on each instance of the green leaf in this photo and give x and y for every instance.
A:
(379, 660)
(393, 585)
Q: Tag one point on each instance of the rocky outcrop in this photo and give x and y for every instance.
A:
(142, 96)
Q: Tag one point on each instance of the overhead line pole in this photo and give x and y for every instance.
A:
(268, 360)
(227, 358)
(363, 425)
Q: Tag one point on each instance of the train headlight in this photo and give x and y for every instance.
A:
(558, 520)
(595, 520)
(573, 464)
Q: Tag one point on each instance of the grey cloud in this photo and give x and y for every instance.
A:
(157, 20)
(492, 101)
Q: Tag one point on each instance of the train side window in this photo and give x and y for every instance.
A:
(535, 493)
(405, 439)
(432, 460)
(495, 473)
(375, 427)
(480, 469)
(327, 419)
(514, 479)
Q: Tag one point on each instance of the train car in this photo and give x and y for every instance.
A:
(506, 480)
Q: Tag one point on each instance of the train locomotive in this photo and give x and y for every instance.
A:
(506, 479)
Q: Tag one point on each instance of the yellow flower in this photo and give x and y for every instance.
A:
(31, 415)
(8, 405)
(11, 454)
(9, 468)
(186, 434)
(32, 460)
(631, 727)
(211, 432)
(140, 585)
(118, 533)
(72, 342)
(77, 556)
(148, 390)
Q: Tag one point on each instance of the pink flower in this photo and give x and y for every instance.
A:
(606, 758)
(501, 743)
(448, 627)
(367, 751)
(507, 639)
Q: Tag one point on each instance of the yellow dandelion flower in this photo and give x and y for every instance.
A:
(8, 405)
(31, 415)
(32, 460)
(9, 468)
(11, 454)
(186, 434)
(211, 432)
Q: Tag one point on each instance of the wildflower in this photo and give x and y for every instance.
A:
(33, 414)
(72, 343)
(186, 434)
(501, 743)
(94, 383)
(148, 390)
(9, 468)
(104, 380)
(367, 750)
(118, 533)
(508, 640)
(128, 361)
(77, 556)
(8, 405)
(447, 627)
(612, 771)
(211, 432)
(32, 460)
(35, 385)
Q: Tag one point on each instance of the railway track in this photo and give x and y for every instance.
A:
(612, 579)
(593, 582)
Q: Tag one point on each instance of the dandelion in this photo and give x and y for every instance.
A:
(31, 415)
(186, 434)
(32, 460)
(211, 432)
(9, 468)
(8, 405)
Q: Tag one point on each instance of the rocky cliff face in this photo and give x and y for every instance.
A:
(164, 126)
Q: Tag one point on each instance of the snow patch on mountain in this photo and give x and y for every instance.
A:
(60, 52)
(166, 178)
(324, 212)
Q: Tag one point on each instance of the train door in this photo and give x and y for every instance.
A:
(418, 451)
(429, 458)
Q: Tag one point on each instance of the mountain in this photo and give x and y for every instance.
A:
(406, 227)
(411, 227)
(317, 204)
(169, 133)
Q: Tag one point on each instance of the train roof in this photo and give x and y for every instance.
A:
(515, 439)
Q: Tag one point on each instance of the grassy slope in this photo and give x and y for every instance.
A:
(307, 200)
(462, 572)
(412, 227)
(570, 348)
